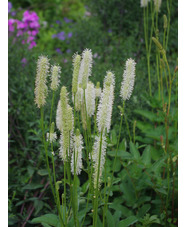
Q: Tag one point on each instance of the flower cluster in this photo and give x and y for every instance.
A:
(29, 26)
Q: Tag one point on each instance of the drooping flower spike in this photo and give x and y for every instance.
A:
(127, 84)
(41, 89)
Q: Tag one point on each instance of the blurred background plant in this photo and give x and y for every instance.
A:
(114, 31)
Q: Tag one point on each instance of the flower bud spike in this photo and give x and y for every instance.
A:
(98, 90)
(157, 5)
(76, 67)
(90, 98)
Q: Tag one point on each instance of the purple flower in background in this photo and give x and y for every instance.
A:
(69, 34)
(9, 7)
(61, 36)
(65, 60)
(110, 30)
(58, 22)
(68, 51)
(32, 44)
(58, 51)
(54, 36)
(13, 13)
(24, 61)
(67, 20)
(11, 25)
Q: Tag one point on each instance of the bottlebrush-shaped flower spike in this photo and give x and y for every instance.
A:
(76, 67)
(79, 98)
(157, 5)
(104, 113)
(55, 70)
(127, 84)
(77, 153)
(98, 153)
(98, 90)
(85, 68)
(51, 136)
(144, 3)
(41, 89)
(90, 98)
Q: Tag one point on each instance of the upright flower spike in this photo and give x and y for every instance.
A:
(127, 84)
(41, 89)
(76, 66)
(59, 122)
(104, 113)
(157, 5)
(85, 68)
(144, 3)
(65, 124)
(51, 136)
(90, 98)
(76, 164)
(98, 90)
(79, 98)
(55, 71)
(95, 157)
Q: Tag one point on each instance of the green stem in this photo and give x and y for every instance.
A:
(95, 211)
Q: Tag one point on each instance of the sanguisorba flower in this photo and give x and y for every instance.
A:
(98, 90)
(85, 68)
(144, 3)
(51, 136)
(76, 67)
(95, 156)
(64, 123)
(104, 113)
(76, 158)
(127, 84)
(41, 89)
(55, 75)
(90, 99)
(157, 5)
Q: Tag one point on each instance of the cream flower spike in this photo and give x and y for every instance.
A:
(98, 90)
(127, 84)
(76, 66)
(85, 68)
(157, 5)
(95, 157)
(77, 153)
(144, 3)
(51, 136)
(41, 89)
(105, 106)
(55, 71)
(90, 98)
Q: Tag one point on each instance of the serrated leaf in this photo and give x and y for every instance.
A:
(110, 219)
(50, 219)
(143, 210)
(134, 151)
(128, 221)
(146, 156)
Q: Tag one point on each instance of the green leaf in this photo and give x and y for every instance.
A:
(143, 210)
(149, 115)
(123, 145)
(146, 156)
(50, 219)
(113, 137)
(45, 225)
(121, 154)
(128, 221)
(134, 151)
(110, 219)
(32, 186)
(42, 172)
